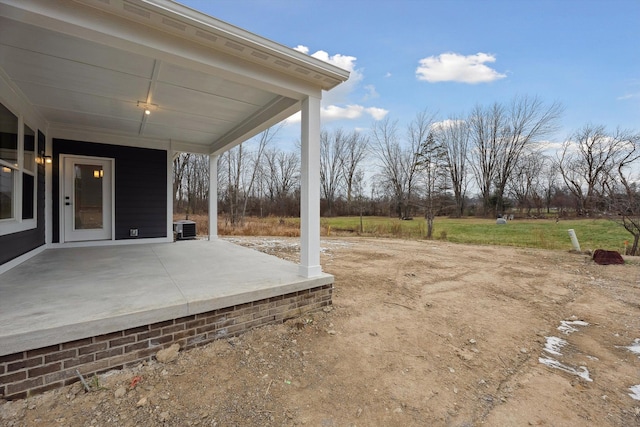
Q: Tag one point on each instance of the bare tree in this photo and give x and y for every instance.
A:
(332, 150)
(264, 139)
(453, 135)
(398, 164)
(199, 183)
(234, 161)
(282, 176)
(623, 192)
(501, 135)
(355, 150)
(549, 182)
(180, 163)
(388, 152)
(358, 194)
(485, 124)
(432, 160)
(586, 161)
(529, 120)
(243, 168)
(526, 186)
(191, 183)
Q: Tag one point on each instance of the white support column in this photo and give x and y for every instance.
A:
(213, 196)
(170, 195)
(310, 189)
(48, 191)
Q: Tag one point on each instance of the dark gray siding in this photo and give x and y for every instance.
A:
(16, 244)
(140, 186)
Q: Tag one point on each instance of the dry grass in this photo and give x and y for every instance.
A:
(544, 234)
(271, 226)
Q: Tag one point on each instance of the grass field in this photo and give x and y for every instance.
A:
(535, 233)
(532, 233)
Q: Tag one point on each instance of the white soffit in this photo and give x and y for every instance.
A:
(208, 84)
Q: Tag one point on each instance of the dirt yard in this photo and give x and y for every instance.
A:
(421, 333)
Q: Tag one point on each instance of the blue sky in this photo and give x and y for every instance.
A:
(447, 56)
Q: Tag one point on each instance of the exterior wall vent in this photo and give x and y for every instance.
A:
(184, 229)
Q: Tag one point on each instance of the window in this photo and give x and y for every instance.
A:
(29, 149)
(28, 175)
(18, 173)
(28, 196)
(6, 192)
(8, 162)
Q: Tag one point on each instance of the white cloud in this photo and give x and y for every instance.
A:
(339, 94)
(371, 92)
(548, 147)
(350, 112)
(628, 96)
(343, 61)
(453, 67)
(377, 113)
(333, 112)
(445, 124)
(335, 103)
(388, 74)
(293, 119)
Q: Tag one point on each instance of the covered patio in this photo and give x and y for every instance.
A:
(96, 100)
(64, 295)
(100, 308)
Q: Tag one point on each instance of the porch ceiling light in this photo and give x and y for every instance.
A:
(147, 107)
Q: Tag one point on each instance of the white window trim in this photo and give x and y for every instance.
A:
(17, 224)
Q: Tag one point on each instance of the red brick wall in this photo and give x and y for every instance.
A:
(35, 371)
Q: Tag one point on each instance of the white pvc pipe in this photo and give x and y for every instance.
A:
(574, 240)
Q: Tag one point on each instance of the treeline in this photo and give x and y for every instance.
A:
(493, 161)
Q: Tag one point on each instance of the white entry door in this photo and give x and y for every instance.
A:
(87, 199)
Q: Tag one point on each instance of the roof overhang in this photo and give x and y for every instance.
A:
(89, 67)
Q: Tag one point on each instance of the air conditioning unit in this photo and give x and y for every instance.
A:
(184, 229)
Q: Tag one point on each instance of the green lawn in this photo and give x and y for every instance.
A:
(538, 233)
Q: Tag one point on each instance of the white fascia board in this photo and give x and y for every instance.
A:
(192, 16)
(239, 71)
(187, 147)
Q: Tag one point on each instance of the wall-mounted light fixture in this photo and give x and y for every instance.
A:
(42, 159)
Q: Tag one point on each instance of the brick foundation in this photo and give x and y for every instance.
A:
(35, 371)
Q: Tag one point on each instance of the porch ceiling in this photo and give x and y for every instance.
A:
(91, 65)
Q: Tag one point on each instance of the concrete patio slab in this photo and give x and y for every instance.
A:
(67, 294)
